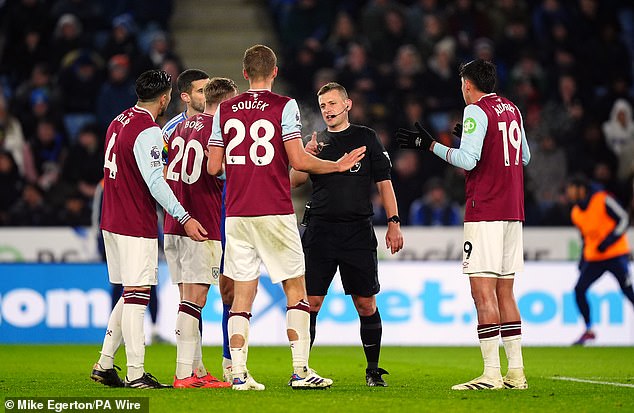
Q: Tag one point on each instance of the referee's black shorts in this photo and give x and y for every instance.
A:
(351, 246)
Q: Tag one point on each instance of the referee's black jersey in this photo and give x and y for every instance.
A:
(346, 196)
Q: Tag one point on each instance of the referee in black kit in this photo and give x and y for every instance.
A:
(339, 229)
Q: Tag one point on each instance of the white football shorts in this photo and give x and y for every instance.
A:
(192, 262)
(132, 261)
(272, 240)
(493, 249)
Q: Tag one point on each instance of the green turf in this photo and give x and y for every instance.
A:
(420, 380)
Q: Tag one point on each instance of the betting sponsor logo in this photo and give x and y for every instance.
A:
(469, 125)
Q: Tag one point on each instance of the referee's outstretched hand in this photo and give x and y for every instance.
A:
(419, 139)
(348, 160)
(194, 230)
(312, 147)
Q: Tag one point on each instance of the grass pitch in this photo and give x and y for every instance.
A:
(420, 380)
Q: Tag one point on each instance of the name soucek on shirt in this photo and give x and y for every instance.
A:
(346, 196)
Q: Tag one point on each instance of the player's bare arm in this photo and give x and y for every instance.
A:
(215, 159)
(303, 161)
(298, 178)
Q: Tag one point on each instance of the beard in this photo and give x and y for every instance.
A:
(162, 110)
(198, 107)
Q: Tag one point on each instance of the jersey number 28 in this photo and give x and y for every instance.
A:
(255, 130)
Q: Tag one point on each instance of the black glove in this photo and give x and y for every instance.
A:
(457, 130)
(607, 242)
(408, 139)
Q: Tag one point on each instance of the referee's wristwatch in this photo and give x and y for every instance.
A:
(395, 219)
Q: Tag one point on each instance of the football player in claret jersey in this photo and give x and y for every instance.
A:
(258, 134)
(194, 265)
(493, 151)
(133, 183)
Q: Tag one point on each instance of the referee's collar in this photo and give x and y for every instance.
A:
(340, 131)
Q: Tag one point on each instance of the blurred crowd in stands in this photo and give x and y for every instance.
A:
(567, 64)
(67, 68)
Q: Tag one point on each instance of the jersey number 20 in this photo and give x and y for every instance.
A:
(182, 152)
(263, 141)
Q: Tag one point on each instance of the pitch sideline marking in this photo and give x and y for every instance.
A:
(609, 383)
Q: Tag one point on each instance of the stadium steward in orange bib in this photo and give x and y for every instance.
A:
(603, 224)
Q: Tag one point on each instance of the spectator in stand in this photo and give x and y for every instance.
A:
(442, 97)
(74, 211)
(547, 171)
(80, 81)
(48, 152)
(394, 31)
(83, 168)
(68, 36)
(23, 28)
(562, 115)
(40, 78)
(307, 20)
(41, 107)
(31, 209)
(11, 184)
(408, 74)
(359, 73)
(433, 208)
(619, 129)
(343, 34)
(589, 149)
(406, 179)
(122, 38)
(466, 22)
(118, 91)
(11, 136)
(89, 13)
(418, 12)
(160, 50)
(432, 33)
(515, 41)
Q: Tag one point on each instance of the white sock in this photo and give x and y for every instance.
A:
(226, 362)
(198, 365)
(112, 340)
(513, 350)
(186, 338)
(489, 336)
(132, 328)
(298, 320)
(490, 348)
(239, 325)
(512, 340)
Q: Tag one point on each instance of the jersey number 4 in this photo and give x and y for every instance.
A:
(263, 141)
(513, 135)
(110, 162)
(182, 153)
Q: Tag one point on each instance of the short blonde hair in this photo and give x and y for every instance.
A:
(217, 88)
(333, 86)
(259, 62)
